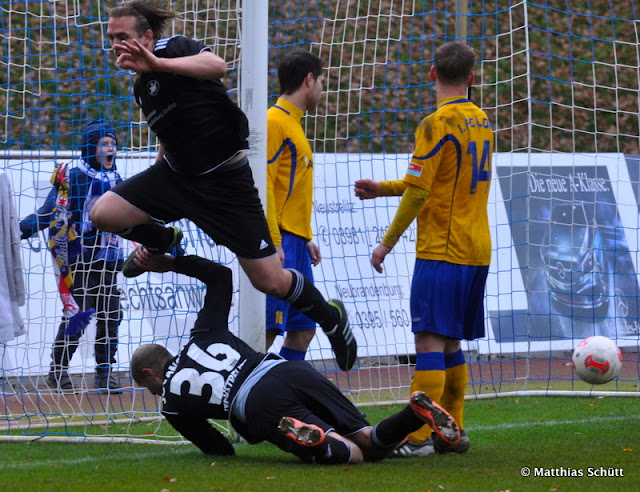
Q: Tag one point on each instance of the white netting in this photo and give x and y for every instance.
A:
(560, 85)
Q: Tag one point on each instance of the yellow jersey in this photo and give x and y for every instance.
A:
(289, 172)
(452, 161)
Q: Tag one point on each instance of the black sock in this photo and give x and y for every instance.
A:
(392, 430)
(331, 451)
(154, 236)
(338, 452)
(308, 300)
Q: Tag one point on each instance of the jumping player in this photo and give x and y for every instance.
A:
(202, 172)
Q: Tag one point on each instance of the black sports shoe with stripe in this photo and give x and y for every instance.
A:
(131, 270)
(342, 340)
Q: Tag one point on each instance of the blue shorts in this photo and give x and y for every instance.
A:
(448, 299)
(280, 314)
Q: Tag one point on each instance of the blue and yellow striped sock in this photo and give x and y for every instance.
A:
(429, 377)
(455, 385)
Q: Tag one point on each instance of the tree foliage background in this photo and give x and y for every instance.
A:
(553, 77)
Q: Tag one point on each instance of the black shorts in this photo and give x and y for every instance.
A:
(223, 203)
(296, 389)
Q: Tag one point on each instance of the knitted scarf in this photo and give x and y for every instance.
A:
(110, 247)
(64, 244)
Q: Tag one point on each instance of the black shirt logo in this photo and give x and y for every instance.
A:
(153, 87)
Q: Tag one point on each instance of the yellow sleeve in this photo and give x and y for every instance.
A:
(274, 143)
(410, 205)
(275, 140)
(272, 219)
(393, 188)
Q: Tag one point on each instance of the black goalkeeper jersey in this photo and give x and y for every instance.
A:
(201, 382)
(197, 123)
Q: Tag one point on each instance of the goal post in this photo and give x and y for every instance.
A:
(253, 101)
(559, 85)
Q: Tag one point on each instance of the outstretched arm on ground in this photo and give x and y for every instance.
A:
(200, 433)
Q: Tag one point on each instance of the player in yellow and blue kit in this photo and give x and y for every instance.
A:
(289, 197)
(447, 188)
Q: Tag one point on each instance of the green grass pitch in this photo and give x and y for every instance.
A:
(556, 438)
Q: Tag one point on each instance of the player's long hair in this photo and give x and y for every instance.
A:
(147, 14)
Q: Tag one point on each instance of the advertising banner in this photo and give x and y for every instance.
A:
(564, 232)
(569, 224)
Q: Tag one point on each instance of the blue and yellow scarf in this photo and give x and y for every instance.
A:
(64, 244)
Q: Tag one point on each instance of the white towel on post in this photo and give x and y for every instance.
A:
(12, 290)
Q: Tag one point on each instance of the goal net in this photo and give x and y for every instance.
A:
(560, 86)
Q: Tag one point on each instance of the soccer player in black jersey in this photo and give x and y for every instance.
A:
(265, 397)
(202, 171)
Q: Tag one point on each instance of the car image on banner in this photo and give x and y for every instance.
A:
(573, 255)
(571, 228)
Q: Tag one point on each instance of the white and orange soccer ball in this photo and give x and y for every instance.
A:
(597, 360)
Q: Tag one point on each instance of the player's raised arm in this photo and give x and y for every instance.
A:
(137, 57)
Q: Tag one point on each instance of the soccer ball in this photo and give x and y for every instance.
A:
(597, 360)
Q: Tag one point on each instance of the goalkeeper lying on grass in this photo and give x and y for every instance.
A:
(266, 398)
